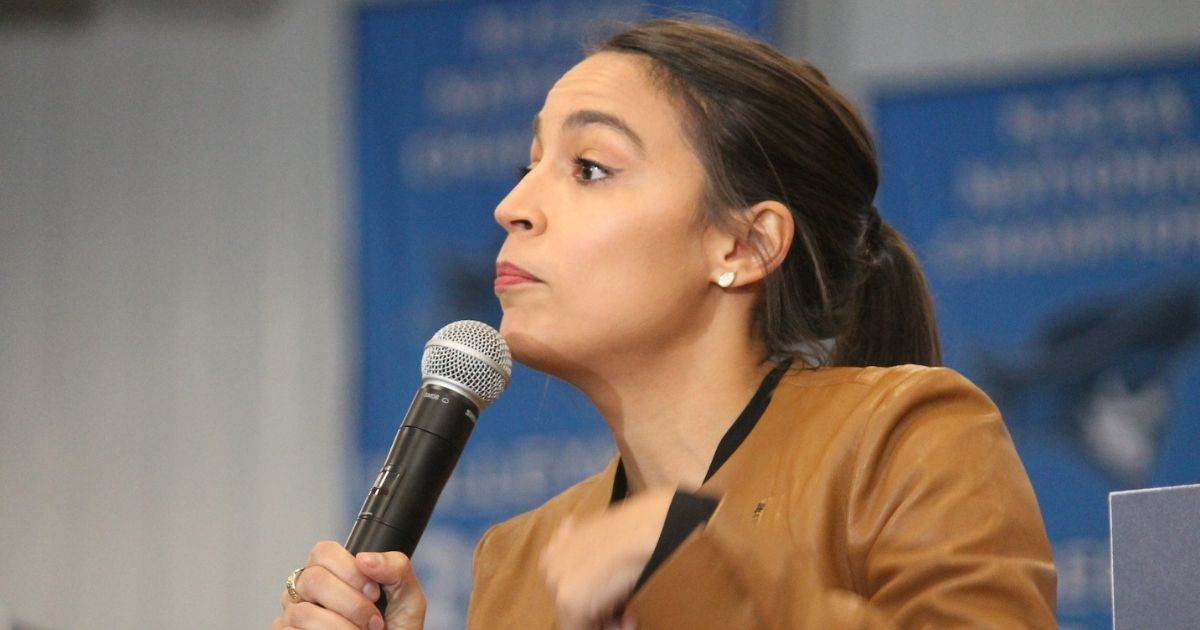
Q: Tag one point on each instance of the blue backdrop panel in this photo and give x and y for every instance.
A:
(1059, 221)
(444, 99)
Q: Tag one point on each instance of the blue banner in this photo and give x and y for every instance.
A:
(445, 95)
(1058, 218)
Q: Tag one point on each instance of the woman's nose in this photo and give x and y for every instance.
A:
(520, 210)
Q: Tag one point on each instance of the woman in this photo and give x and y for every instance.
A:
(695, 230)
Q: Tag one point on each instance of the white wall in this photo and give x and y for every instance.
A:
(859, 43)
(173, 315)
(175, 323)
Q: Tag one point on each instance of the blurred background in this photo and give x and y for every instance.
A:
(220, 254)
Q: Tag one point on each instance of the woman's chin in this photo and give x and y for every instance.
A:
(536, 352)
(527, 349)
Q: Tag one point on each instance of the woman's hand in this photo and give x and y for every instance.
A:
(339, 591)
(591, 566)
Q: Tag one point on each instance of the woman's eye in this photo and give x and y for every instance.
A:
(589, 171)
(522, 171)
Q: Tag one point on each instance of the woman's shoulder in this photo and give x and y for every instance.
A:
(508, 550)
(530, 530)
(858, 386)
(845, 404)
(871, 377)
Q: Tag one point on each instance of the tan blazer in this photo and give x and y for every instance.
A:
(864, 497)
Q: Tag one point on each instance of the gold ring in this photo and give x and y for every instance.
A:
(291, 585)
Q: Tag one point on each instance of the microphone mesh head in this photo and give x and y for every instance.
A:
(473, 356)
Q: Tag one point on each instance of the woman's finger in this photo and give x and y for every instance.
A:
(405, 597)
(591, 566)
(321, 586)
(309, 616)
(334, 557)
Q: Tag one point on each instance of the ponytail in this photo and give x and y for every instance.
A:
(893, 321)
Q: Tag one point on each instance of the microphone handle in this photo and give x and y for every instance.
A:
(419, 464)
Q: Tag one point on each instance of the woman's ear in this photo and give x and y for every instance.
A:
(756, 246)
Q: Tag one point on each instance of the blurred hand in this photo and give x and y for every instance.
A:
(340, 590)
(590, 566)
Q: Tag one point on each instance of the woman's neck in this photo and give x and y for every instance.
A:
(668, 412)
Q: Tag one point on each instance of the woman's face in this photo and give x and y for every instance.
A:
(605, 254)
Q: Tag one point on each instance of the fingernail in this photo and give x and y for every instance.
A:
(371, 590)
(371, 559)
(376, 623)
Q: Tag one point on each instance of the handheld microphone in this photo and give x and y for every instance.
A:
(465, 368)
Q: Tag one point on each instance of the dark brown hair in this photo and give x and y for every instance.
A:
(767, 127)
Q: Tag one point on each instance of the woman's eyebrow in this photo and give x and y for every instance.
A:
(585, 117)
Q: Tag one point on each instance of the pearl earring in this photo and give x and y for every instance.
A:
(725, 280)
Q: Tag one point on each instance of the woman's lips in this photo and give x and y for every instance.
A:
(508, 275)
